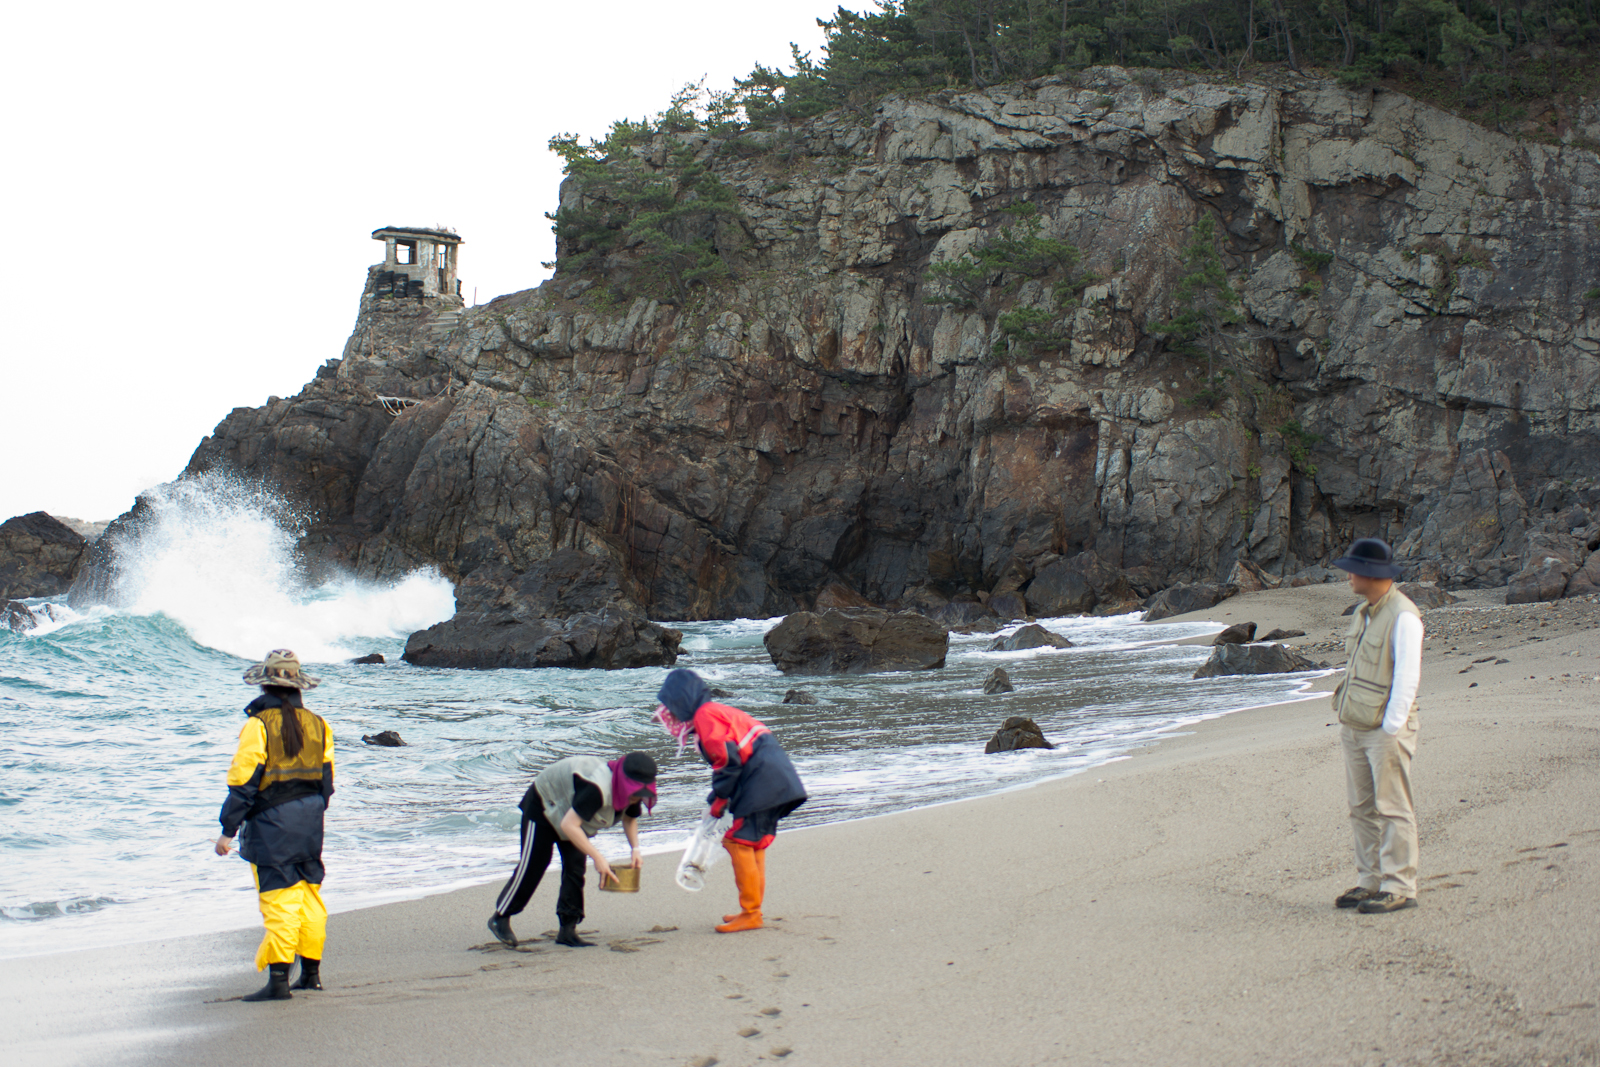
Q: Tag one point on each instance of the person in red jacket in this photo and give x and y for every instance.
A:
(751, 778)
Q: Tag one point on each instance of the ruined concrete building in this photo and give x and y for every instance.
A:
(416, 262)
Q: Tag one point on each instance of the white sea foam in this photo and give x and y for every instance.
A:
(218, 558)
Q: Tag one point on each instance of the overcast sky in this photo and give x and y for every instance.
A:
(191, 188)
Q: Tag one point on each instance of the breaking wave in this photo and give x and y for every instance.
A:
(217, 556)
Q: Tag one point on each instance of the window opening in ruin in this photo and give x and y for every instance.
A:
(405, 251)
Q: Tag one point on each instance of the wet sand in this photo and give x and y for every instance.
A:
(1171, 908)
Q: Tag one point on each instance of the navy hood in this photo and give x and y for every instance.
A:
(683, 692)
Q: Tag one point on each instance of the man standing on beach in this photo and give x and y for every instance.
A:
(1377, 707)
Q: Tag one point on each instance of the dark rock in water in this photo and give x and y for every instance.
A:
(1253, 659)
(961, 614)
(1546, 579)
(1181, 599)
(1283, 635)
(384, 739)
(1030, 636)
(39, 556)
(370, 657)
(718, 694)
(1240, 633)
(608, 639)
(856, 641)
(1427, 596)
(19, 618)
(1060, 589)
(570, 610)
(1017, 732)
(1008, 606)
(998, 682)
(798, 696)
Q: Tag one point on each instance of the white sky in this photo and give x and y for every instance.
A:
(191, 188)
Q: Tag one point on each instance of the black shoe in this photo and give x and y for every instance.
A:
(1385, 902)
(500, 927)
(568, 935)
(310, 975)
(277, 987)
(1351, 897)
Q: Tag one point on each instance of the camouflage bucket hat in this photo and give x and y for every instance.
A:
(281, 667)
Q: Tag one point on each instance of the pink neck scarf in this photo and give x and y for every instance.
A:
(674, 726)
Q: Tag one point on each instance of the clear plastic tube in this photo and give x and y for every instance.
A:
(702, 851)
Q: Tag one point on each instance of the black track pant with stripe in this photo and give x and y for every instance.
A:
(538, 839)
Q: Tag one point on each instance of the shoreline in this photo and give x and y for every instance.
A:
(212, 907)
(1173, 905)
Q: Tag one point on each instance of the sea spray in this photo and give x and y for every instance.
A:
(217, 555)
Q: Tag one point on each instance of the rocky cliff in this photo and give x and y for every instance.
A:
(1418, 359)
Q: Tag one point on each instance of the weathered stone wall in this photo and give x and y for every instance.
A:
(815, 419)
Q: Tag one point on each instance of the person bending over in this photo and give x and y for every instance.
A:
(751, 777)
(568, 803)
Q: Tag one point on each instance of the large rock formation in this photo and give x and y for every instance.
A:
(39, 556)
(856, 641)
(1414, 297)
(1182, 599)
(569, 610)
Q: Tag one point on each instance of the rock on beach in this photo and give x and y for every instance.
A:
(1253, 659)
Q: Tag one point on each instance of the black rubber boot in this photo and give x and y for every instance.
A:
(277, 987)
(500, 927)
(310, 975)
(568, 935)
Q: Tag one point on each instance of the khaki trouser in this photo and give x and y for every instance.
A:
(1378, 785)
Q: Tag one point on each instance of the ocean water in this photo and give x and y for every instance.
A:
(117, 727)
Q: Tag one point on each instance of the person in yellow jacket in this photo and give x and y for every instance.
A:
(278, 789)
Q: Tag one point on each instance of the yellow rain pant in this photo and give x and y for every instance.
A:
(296, 920)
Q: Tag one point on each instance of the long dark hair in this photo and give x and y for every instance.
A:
(289, 731)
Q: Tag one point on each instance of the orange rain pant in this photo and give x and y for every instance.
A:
(296, 921)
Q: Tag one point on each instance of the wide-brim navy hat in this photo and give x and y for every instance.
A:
(1370, 558)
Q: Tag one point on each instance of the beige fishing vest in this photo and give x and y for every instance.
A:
(554, 784)
(1362, 695)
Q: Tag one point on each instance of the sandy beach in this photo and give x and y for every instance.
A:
(1174, 907)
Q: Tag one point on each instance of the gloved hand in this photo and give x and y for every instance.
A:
(718, 806)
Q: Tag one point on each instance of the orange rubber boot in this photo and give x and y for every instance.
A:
(761, 880)
(747, 876)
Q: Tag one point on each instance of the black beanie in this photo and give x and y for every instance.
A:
(640, 767)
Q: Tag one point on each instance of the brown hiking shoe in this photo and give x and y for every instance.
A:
(1351, 897)
(1381, 903)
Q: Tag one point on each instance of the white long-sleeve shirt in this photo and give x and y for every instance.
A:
(1407, 638)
